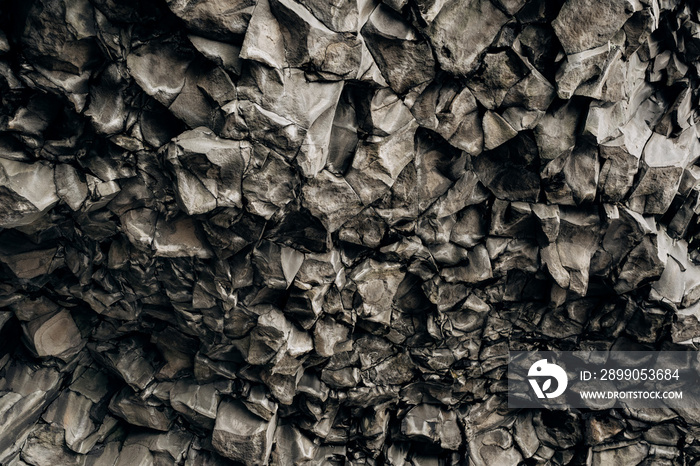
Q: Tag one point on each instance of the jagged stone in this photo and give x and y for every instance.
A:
(585, 25)
(71, 413)
(309, 43)
(496, 130)
(171, 446)
(54, 335)
(663, 162)
(331, 199)
(331, 337)
(259, 404)
(501, 72)
(221, 53)
(70, 188)
(27, 393)
(213, 18)
(429, 423)
(579, 68)
(263, 40)
(642, 264)
(495, 446)
(609, 84)
(477, 270)
(30, 264)
(198, 154)
(568, 259)
(524, 435)
(347, 377)
(127, 360)
(44, 447)
(267, 337)
(28, 191)
(159, 69)
(67, 58)
(460, 31)
(536, 43)
(600, 430)
(178, 239)
(377, 164)
(265, 197)
(197, 402)
(377, 284)
(466, 191)
(573, 178)
(340, 17)
(135, 454)
(138, 412)
(555, 133)
(508, 170)
(403, 58)
(242, 436)
(631, 453)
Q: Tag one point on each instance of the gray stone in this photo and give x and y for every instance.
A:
(138, 412)
(508, 171)
(28, 191)
(178, 238)
(378, 163)
(632, 453)
(30, 264)
(460, 31)
(568, 259)
(44, 447)
(159, 69)
(27, 393)
(587, 24)
(555, 133)
(242, 436)
(196, 156)
(331, 199)
(377, 284)
(429, 422)
(70, 188)
(308, 43)
(221, 53)
(496, 130)
(331, 337)
(399, 51)
(573, 178)
(494, 447)
(54, 335)
(292, 447)
(214, 18)
(197, 402)
(71, 413)
(339, 217)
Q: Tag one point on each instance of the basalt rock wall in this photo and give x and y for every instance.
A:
(308, 232)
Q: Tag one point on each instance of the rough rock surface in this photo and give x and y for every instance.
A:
(307, 232)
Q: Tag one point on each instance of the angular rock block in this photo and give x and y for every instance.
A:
(242, 436)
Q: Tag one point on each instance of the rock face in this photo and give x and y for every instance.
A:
(242, 436)
(307, 232)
